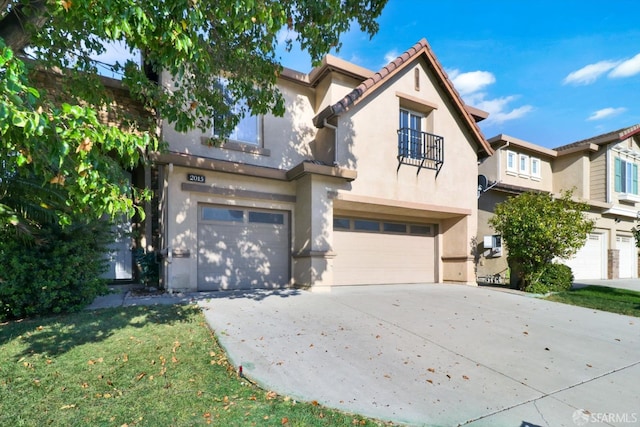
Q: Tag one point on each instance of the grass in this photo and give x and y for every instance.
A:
(136, 366)
(603, 298)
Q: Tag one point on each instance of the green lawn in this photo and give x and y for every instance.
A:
(620, 301)
(135, 366)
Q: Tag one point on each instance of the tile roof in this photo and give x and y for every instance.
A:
(368, 86)
(605, 138)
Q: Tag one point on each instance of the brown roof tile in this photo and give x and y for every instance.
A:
(422, 47)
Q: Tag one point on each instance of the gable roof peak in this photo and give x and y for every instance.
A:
(370, 84)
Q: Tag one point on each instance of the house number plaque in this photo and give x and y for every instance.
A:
(192, 177)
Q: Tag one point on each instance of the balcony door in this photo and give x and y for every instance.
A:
(410, 129)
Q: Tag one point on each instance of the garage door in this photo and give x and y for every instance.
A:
(378, 252)
(628, 256)
(590, 261)
(241, 248)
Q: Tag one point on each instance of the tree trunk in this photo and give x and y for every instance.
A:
(18, 25)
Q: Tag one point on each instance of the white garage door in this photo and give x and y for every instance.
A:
(380, 252)
(590, 261)
(628, 256)
(241, 248)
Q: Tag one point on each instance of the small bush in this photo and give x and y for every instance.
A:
(58, 273)
(555, 278)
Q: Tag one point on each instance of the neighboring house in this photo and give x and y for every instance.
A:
(603, 171)
(368, 178)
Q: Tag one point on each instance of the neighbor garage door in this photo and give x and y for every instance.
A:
(241, 248)
(628, 256)
(590, 261)
(377, 252)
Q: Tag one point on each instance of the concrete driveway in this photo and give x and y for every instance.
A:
(437, 355)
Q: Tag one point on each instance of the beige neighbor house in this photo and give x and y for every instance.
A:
(603, 171)
(368, 178)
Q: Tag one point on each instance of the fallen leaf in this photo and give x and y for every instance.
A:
(430, 381)
(284, 421)
(173, 359)
(589, 366)
(68, 406)
(547, 348)
(66, 5)
(448, 376)
(140, 376)
(465, 377)
(431, 370)
(271, 395)
(314, 402)
(526, 333)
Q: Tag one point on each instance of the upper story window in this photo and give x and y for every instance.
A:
(523, 164)
(248, 128)
(626, 176)
(535, 167)
(511, 162)
(410, 132)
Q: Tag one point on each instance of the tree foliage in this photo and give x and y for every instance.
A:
(195, 41)
(538, 228)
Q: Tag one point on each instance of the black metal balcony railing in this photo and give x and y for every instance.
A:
(420, 149)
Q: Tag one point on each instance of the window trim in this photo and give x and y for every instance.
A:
(625, 182)
(514, 167)
(523, 160)
(538, 173)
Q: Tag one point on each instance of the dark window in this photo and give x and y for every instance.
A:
(341, 223)
(221, 214)
(420, 229)
(266, 218)
(364, 225)
(391, 227)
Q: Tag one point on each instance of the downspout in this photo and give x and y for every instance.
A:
(325, 123)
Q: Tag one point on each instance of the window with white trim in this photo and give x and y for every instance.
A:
(523, 164)
(626, 176)
(535, 167)
(511, 162)
(410, 130)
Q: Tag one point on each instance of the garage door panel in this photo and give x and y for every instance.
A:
(380, 258)
(627, 257)
(589, 261)
(244, 255)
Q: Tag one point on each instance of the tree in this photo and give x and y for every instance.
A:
(538, 228)
(195, 41)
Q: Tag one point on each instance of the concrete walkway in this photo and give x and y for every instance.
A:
(434, 355)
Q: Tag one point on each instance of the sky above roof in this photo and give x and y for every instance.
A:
(548, 72)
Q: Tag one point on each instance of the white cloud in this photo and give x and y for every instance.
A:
(390, 56)
(590, 73)
(606, 112)
(471, 82)
(627, 68)
(498, 108)
(471, 85)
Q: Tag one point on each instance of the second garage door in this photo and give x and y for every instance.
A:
(628, 256)
(590, 261)
(241, 248)
(379, 252)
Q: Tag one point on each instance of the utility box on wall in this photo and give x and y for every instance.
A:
(492, 246)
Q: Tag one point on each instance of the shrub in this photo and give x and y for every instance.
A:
(58, 273)
(555, 278)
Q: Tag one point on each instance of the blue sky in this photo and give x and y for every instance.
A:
(549, 72)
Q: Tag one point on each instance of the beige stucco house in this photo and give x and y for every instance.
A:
(602, 171)
(369, 177)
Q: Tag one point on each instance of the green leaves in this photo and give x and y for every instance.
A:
(537, 228)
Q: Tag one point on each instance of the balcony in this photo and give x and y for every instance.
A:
(420, 149)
